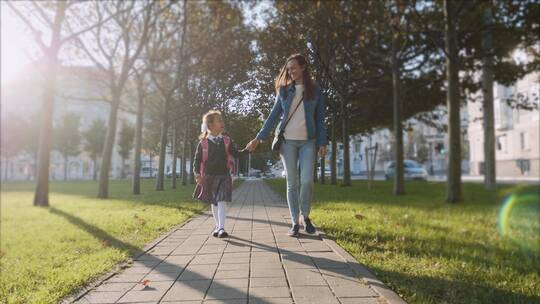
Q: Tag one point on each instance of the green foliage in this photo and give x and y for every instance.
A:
(125, 140)
(67, 137)
(94, 138)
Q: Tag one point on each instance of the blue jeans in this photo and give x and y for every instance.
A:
(299, 154)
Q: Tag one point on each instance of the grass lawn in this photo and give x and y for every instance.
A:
(430, 251)
(47, 253)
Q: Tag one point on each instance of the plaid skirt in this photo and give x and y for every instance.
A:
(213, 189)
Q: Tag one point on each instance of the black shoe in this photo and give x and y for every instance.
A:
(222, 233)
(215, 232)
(294, 230)
(308, 226)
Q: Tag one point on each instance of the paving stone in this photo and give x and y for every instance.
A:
(152, 292)
(213, 258)
(227, 301)
(227, 293)
(126, 278)
(268, 282)
(232, 274)
(360, 301)
(357, 291)
(233, 266)
(187, 290)
(270, 301)
(224, 283)
(198, 272)
(114, 287)
(103, 297)
(313, 294)
(267, 273)
(305, 277)
(269, 292)
(156, 276)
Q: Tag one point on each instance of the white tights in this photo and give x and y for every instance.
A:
(219, 214)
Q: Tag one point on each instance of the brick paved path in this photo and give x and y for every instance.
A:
(258, 263)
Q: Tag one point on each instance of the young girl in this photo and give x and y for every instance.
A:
(212, 166)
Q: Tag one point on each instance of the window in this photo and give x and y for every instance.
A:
(501, 143)
(524, 140)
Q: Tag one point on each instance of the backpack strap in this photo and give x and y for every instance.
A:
(204, 146)
(230, 158)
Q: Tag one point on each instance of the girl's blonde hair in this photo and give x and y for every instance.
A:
(208, 118)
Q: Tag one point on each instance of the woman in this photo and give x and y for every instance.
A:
(298, 101)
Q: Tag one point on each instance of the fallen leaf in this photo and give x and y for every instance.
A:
(358, 216)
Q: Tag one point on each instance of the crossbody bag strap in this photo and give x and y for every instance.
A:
(301, 100)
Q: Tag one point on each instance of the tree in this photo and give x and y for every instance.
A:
(12, 132)
(67, 139)
(56, 20)
(453, 103)
(31, 138)
(165, 63)
(142, 93)
(487, 91)
(114, 47)
(94, 140)
(125, 143)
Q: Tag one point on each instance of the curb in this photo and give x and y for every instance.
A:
(364, 273)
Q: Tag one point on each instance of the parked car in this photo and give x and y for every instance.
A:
(327, 170)
(412, 170)
(169, 173)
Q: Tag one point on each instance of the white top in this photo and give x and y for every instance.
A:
(296, 128)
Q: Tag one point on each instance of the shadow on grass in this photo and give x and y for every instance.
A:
(447, 249)
(425, 289)
(174, 271)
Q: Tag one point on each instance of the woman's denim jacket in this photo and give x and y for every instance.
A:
(314, 111)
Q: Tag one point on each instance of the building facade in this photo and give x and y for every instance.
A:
(517, 131)
(79, 90)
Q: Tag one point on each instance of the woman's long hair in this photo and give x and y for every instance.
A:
(207, 119)
(284, 79)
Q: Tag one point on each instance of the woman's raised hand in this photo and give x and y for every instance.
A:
(252, 145)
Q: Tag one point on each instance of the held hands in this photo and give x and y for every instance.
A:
(198, 178)
(322, 151)
(252, 145)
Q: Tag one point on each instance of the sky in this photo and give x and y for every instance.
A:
(16, 45)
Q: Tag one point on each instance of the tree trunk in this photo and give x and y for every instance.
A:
(399, 187)
(94, 175)
(65, 167)
(6, 166)
(191, 155)
(453, 104)
(184, 155)
(323, 170)
(173, 144)
(315, 177)
(108, 147)
(333, 166)
(41, 196)
(346, 156)
(490, 177)
(162, 148)
(122, 172)
(136, 181)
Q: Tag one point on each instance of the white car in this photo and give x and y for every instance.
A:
(411, 171)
